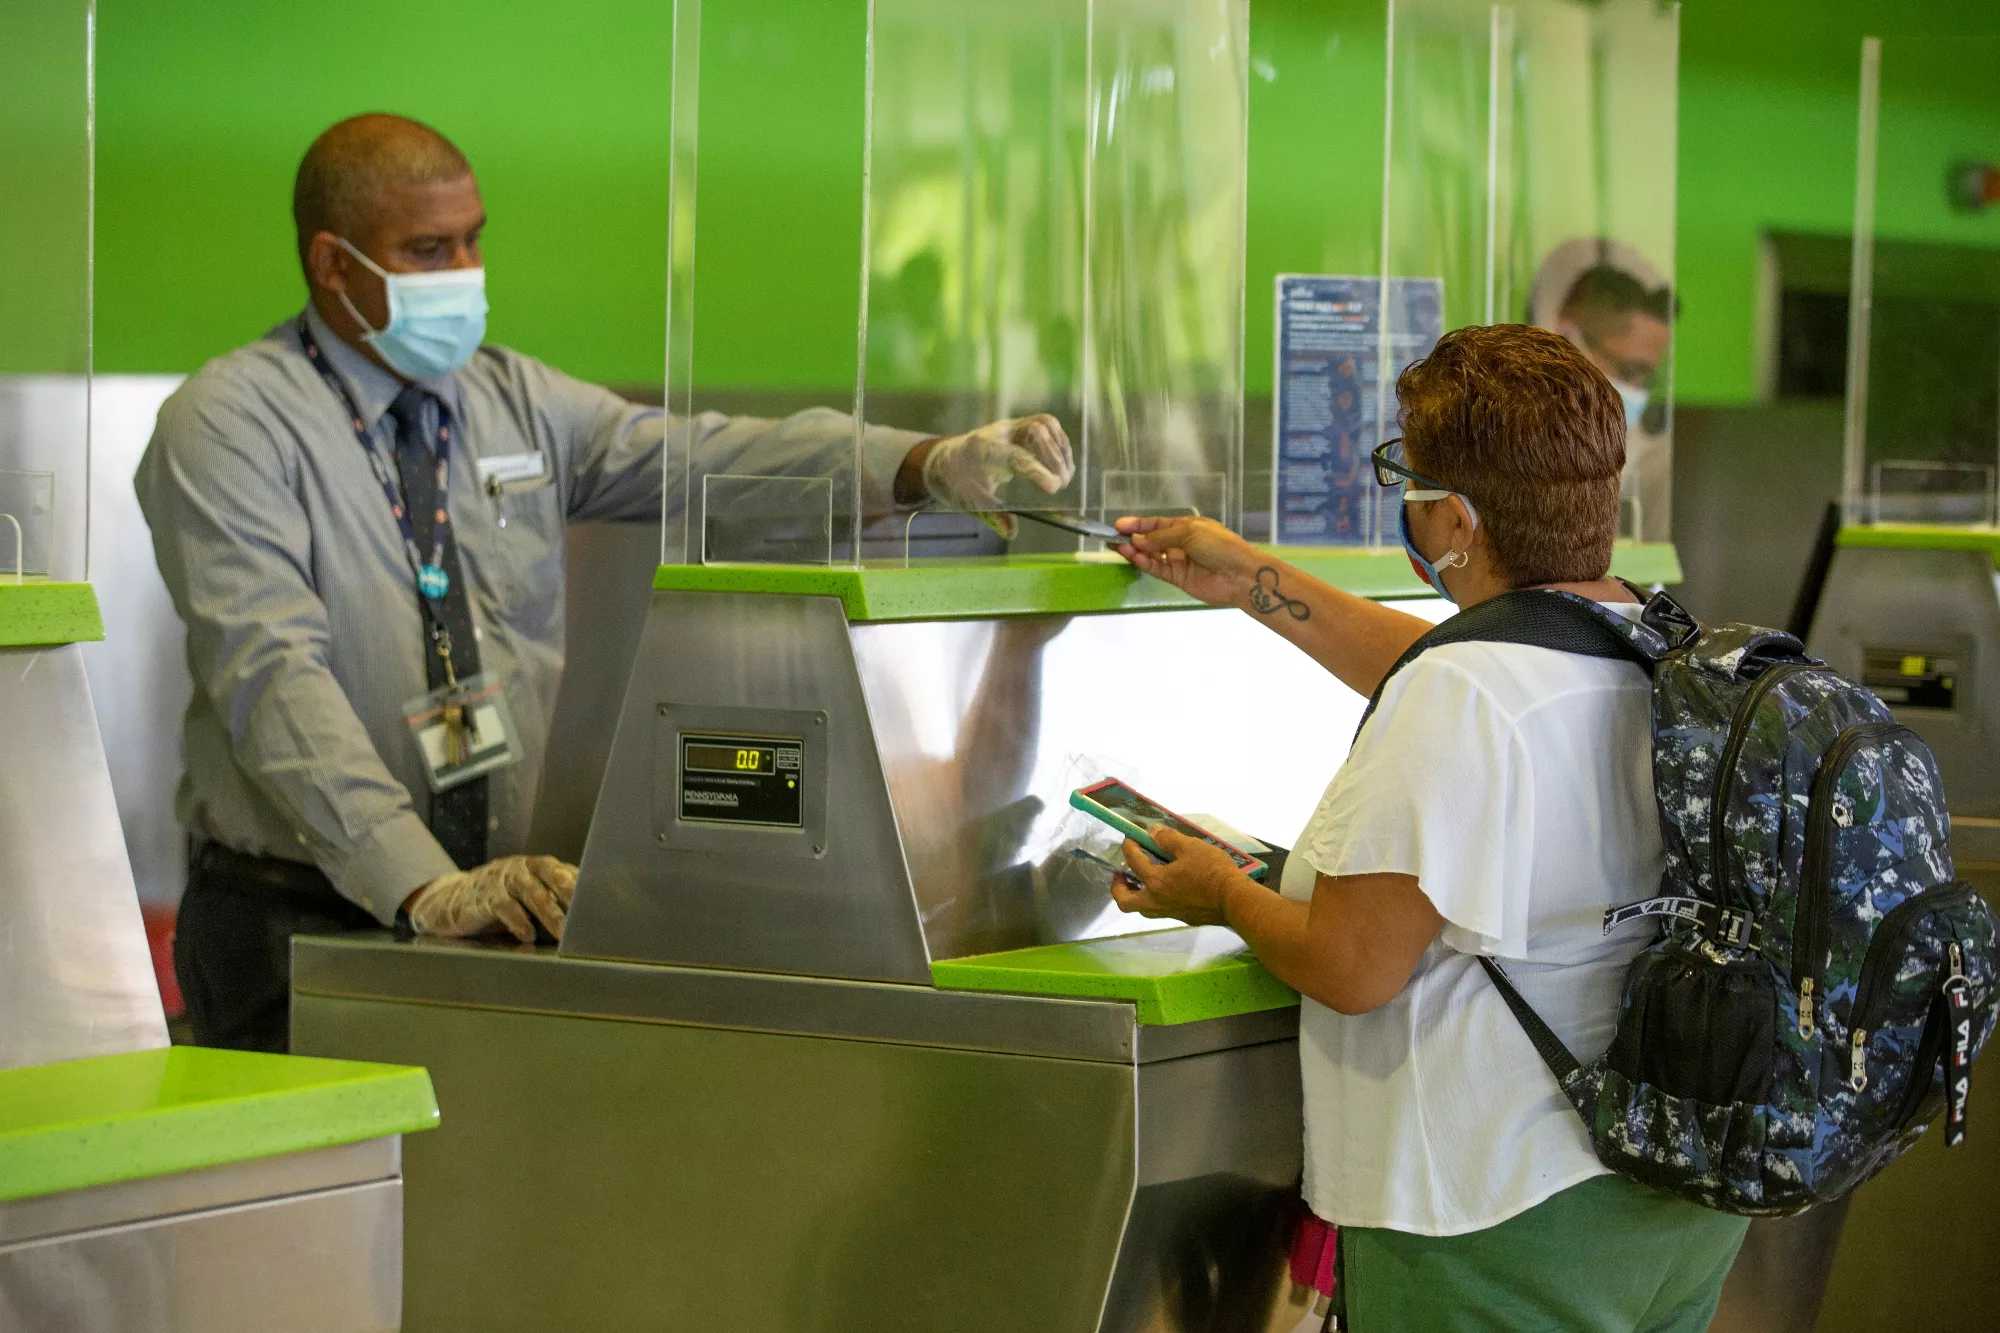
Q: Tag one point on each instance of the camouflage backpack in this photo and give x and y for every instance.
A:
(1822, 984)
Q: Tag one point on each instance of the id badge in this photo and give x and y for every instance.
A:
(463, 732)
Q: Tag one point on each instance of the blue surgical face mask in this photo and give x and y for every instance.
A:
(1635, 402)
(1432, 572)
(436, 320)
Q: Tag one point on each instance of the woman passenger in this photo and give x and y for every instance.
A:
(1497, 802)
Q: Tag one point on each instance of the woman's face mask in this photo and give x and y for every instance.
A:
(1432, 571)
(436, 320)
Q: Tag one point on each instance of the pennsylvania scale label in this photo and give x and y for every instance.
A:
(743, 779)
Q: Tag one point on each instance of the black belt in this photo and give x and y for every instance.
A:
(232, 869)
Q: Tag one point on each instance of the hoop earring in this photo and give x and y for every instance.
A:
(1454, 560)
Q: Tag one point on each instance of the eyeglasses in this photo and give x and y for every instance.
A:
(1392, 470)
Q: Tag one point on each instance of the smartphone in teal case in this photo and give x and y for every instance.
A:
(1132, 814)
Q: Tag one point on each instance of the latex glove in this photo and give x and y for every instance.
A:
(499, 893)
(967, 471)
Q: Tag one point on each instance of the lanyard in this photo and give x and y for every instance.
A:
(433, 583)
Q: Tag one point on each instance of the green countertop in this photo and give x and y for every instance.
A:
(38, 614)
(1072, 584)
(1923, 537)
(112, 1118)
(1173, 976)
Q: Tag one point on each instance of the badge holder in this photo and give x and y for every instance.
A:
(464, 730)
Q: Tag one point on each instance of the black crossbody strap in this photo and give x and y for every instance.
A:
(1547, 1044)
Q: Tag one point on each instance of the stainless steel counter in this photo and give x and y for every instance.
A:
(645, 1145)
(937, 758)
(306, 1242)
(733, 1098)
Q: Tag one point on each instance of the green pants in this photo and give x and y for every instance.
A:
(1605, 1256)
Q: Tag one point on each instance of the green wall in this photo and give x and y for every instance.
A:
(44, 190)
(1768, 118)
(205, 107)
(1315, 206)
(779, 218)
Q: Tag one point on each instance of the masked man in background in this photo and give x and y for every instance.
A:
(1612, 306)
(360, 518)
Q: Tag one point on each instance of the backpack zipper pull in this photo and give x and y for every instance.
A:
(1857, 1061)
(1958, 1062)
(1806, 1008)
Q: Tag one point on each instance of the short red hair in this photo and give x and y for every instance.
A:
(1519, 420)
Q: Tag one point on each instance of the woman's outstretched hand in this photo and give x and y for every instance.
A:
(1355, 639)
(1199, 556)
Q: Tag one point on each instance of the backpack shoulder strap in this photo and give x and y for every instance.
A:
(1744, 652)
(1560, 621)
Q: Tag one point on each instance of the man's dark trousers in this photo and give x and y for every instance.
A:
(233, 943)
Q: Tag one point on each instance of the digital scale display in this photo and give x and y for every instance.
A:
(756, 780)
(731, 759)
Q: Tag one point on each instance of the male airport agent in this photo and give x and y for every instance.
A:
(360, 518)
(1625, 328)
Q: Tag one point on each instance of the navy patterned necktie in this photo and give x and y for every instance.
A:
(458, 816)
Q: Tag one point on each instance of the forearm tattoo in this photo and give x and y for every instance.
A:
(1266, 600)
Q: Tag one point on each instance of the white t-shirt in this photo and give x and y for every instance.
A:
(1516, 784)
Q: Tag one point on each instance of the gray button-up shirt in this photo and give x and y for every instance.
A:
(304, 633)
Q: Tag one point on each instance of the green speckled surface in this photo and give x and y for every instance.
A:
(126, 1117)
(1924, 537)
(1071, 584)
(1385, 574)
(944, 589)
(1173, 976)
(38, 614)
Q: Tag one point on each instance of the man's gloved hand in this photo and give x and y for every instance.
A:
(967, 471)
(499, 893)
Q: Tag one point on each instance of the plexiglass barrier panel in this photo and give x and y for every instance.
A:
(1055, 225)
(767, 520)
(1194, 494)
(45, 210)
(1923, 373)
(976, 217)
(906, 220)
(1530, 169)
(677, 542)
(1164, 345)
(1044, 214)
(1055, 196)
(1315, 150)
(27, 523)
(763, 273)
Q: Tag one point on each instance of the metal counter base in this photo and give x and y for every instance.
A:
(307, 1242)
(636, 1146)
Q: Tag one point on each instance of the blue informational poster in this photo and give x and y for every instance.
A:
(1325, 419)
